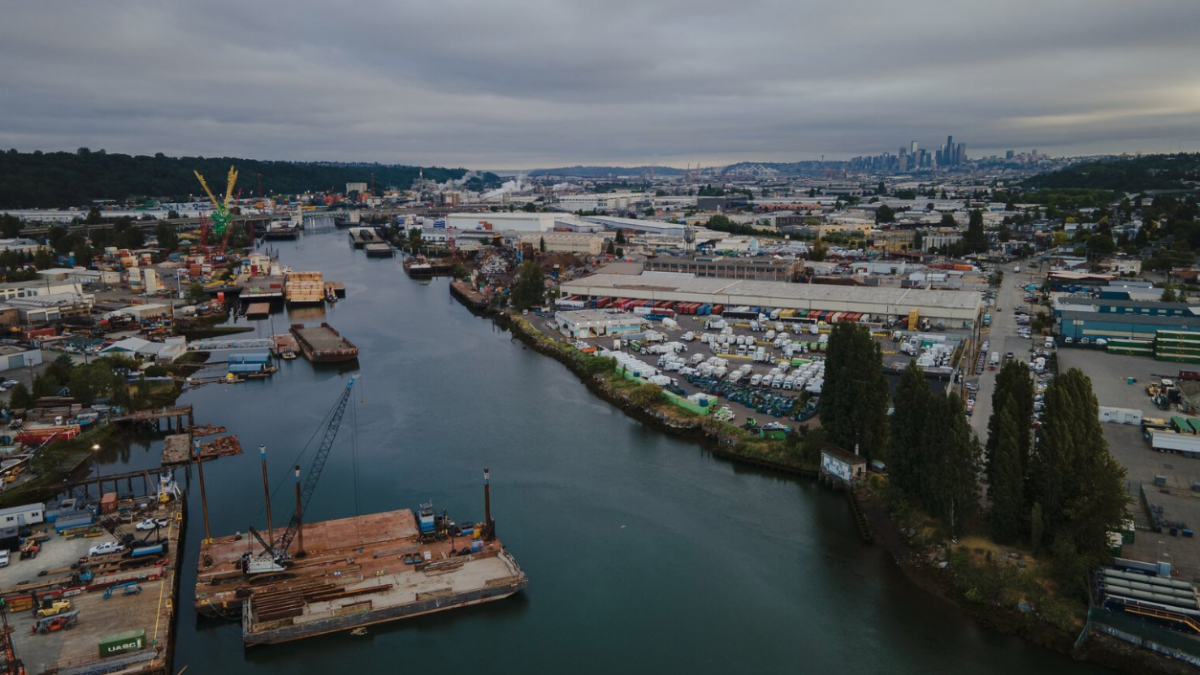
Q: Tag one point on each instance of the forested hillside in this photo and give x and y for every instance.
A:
(54, 179)
(1151, 172)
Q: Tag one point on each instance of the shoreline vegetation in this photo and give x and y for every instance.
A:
(999, 587)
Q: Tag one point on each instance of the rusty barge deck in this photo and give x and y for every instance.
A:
(357, 572)
(323, 344)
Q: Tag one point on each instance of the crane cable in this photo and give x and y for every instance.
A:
(296, 460)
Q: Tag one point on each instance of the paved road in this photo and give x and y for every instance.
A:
(1003, 338)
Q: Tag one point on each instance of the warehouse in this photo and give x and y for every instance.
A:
(958, 308)
(519, 222)
(1111, 306)
(1096, 325)
(12, 356)
(762, 269)
(638, 225)
(566, 242)
(589, 323)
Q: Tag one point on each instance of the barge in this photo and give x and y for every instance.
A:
(379, 250)
(282, 230)
(420, 266)
(305, 288)
(356, 572)
(323, 344)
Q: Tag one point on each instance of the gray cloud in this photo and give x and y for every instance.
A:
(542, 82)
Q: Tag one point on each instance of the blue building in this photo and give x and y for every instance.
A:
(1108, 325)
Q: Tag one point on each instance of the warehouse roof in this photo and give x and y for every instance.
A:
(745, 291)
(1149, 319)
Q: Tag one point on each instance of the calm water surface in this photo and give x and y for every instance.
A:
(644, 554)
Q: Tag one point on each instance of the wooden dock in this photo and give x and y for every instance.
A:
(180, 449)
(258, 309)
(175, 417)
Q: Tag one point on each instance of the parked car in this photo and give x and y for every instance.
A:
(106, 548)
(152, 523)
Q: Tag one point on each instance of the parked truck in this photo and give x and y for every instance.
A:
(994, 361)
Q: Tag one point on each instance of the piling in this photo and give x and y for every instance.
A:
(488, 526)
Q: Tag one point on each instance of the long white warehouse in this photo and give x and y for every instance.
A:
(954, 306)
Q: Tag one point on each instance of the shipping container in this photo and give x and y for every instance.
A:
(603, 302)
(717, 309)
(120, 643)
(108, 502)
(705, 309)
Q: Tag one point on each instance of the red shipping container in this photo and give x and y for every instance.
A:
(108, 503)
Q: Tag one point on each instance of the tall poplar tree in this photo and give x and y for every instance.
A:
(854, 399)
(906, 454)
(1006, 480)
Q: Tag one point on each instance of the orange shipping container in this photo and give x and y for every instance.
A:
(108, 503)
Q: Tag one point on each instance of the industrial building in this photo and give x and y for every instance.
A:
(590, 323)
(1120, 306)
(13, 357)
(958, 308)
(638, 225)
(761, 269)
(609, 201)
(1077, 325)
(519, 221)
(566, 242)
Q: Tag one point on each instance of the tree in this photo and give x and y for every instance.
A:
(646, 394)
(1073, 478)
(10, 226)
(948, 220)
(620, 238)
(610, 248)
(1006, 481)
(906, 453)
(854, 401)
(195, 294)
(975, 238)
(530, 286)
(953, 464)
(168, 240)
(918, 240)
(885, 214)
(1168, 294)
(1013, 382)
(19, 398)
(817, 251)
(542, 244)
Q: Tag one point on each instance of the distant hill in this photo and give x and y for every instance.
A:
(1149, 172)
(783, 168)
(55, 179)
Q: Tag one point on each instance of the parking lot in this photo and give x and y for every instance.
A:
(762, 378)
(1110, 381)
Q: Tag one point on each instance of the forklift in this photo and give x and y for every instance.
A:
(51, 624)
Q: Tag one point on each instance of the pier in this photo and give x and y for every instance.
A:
(174, 416)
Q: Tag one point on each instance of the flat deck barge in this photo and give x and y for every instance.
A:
(263, 288)
(379, 250)
(420, 266)
(356, 572)
(258, 310)
(323, 344)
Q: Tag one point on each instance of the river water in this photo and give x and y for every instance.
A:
(644, 553)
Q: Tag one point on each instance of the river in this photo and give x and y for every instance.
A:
(644, 553)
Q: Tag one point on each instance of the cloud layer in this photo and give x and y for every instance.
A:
(504, 84)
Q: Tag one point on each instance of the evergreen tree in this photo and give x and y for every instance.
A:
(19, 398)
(1013, 381)
(906, 456)
(952, 473)
(975, 239)
(542, 244)
(1006, 481)
(530, 286)
(1076, 482)
(854, 401)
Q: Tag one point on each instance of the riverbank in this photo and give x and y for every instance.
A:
(1050, 626)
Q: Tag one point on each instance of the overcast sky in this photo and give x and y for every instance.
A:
(500, 84)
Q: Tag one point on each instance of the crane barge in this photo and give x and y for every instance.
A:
(349, 573)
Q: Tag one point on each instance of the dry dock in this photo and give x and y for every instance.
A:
(323, 344)
(354, 575)
(147, 611)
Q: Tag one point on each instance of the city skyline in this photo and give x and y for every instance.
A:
(488, 85)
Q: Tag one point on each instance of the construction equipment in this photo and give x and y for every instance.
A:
(30, 548)
(12, 665)
(53, 608)
(277, 556)
(221, 216)
(130, 588)
(51, 624)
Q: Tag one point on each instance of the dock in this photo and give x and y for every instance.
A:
(258, 310)
(337, 288)
(347, 581)
(141, 616)
(323, 344)
(175, 417)
(259, 288)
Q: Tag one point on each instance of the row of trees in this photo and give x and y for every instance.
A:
(853, 404)
(934, 457)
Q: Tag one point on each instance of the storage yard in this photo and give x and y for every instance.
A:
(102, 612)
